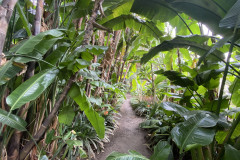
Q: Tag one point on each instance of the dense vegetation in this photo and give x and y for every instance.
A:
(65, 67)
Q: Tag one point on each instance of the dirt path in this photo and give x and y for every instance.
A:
(128, 136)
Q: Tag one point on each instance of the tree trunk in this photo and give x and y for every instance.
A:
(153, 85)
(88, 34)
(6, 10)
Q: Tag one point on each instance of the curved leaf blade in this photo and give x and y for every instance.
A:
(12, 120)
(144, 27)
(31, 88)
(196, 131)
(194, 43)
(95, 119)
(231, 153)
(163, 151)
(133, 155)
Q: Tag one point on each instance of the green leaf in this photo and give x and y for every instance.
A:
(208, 12)
(206, 76)
(76, 143)
(130, 21)
(95, 119)
(178, 79)
(234, 90)
(154, 10)
(9, 70)
(195, 131)
(133, 155)
(221, 135)
(31, 88)
(150, 123)
(66, 115)
(231, 20)
(194, 43)
(12, 120)
(173, 107)
(231, 153)
(159, 79)
(162, 151)
(37, 46)
(49, 137)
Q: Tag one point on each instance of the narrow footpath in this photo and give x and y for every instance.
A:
(128, 136)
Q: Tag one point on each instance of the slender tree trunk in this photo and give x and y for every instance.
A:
(88, 34)
(6, 10)
(153, 85)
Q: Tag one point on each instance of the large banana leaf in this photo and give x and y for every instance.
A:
(178, 79)
(154, 10)
(194, 43)
(12, 120)
(31, 88)
(204, 11)
(231, 153)
(133, 155)
(130, 21)
(231, 20)
(195, 131)
(95, 119)
(121, 8)
(173, 107)
(36, 46)
(163, 151)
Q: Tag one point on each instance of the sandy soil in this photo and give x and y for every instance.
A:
(128, 136)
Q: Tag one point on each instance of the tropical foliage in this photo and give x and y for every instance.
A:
(65, 66)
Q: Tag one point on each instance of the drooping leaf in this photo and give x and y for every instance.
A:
(31, 88)
(121, 8)
(162, 151)
(231, 153)
(194, 43)
(37, 46)
(195, 131)
(159, 79)
(154, 10)
(208, 12)
(206, 76)
(173, 107)
(232, 19)
(95, 119)
(133, 155)
(130, 21)
(66, 115)
(12, 120)
(178, 79)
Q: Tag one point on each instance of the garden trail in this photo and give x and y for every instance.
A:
(128, 136)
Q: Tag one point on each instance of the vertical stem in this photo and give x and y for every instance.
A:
(224, 77)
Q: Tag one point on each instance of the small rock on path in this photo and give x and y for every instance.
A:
(128, 136)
